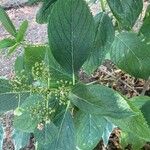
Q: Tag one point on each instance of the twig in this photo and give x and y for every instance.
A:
(145, 87)
(125, 83)
(92, 82)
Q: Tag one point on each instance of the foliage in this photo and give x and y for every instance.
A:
(1, 135)
(126, 52)
(141, 102)
(126, 12)
(20, 139)
(46, 93)
(104, 36)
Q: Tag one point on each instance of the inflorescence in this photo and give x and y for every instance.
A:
(43, 84)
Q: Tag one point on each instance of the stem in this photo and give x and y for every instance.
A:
(19, 100)
(73, 79)
(47, 100)
(36, 145)
(145, 87)
(68, 105)
(48, 85)
(102, 5)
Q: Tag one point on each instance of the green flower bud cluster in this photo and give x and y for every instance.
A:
(40, 71)
(44, 91)
(43, 85)
(63, 91)
(20, 83)
(41, 112)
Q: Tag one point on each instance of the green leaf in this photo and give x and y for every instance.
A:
(19, 65)
(25, 63)
(32, 100)
(47, 135)
(145, 29)
(21, 32)
(71, 33)
(65, 137)
(103, 39)
(108, 128)
(10, 100)
(135, 125)
(98, 99)
(38, 54)
(1, 136)
(20, 139)
(130, 138)
(26, 115)
(13, 48)
(143, 103)
(6, 22)
(139, 101)
(25, 122)
(89, 130)
(5, 86)
(57, 72)
(20, 70)
(8, 42)
(126, 12)
(33, 54)
(44, 12)
(131, 54)
(43, 147)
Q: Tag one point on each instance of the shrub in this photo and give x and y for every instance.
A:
(46, 93)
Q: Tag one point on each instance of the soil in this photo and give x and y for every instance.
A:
(12, 3)
(107, 74)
